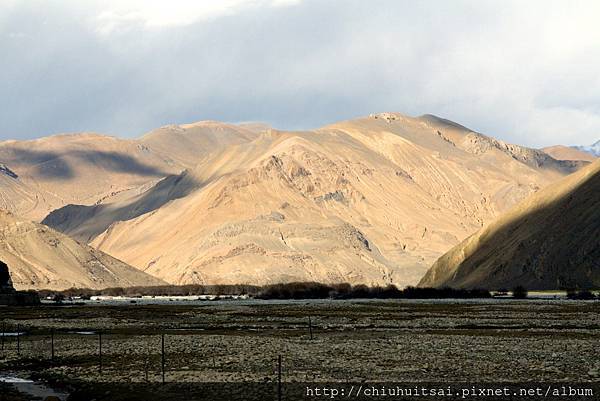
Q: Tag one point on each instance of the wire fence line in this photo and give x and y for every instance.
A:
(150, 357)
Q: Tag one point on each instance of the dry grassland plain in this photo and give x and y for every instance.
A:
(467, 341)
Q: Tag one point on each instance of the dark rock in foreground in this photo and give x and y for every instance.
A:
(10, 296)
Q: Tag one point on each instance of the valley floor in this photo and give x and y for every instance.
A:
(536, 341)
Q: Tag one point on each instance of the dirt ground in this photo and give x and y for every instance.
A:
(352, 342)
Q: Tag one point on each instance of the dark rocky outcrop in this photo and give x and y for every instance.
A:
(5, 170)
(5, 282)
(8, 294)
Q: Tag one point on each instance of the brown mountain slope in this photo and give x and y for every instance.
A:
(84, 223)
(372, 200)
(187, 144)
(40, 257)
(78, 168)
(551, 240)
(14, 194)
(561, 152)
(91, 169)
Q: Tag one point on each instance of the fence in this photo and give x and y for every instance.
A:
(150, 356)
(302, 351)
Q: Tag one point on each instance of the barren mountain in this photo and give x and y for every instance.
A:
(561, 152)
(187, 144)
(551, 240)
(14, 194)
(40, 257)
(79, 168)
(89, 169)
(374, 200)
(85, 222)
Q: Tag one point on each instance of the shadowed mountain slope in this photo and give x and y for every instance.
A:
(78, 168)
(91, 169)
(84, 223)
(551, 240)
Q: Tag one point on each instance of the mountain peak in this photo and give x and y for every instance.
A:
(440, 121)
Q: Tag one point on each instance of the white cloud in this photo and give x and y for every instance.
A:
(525, 72)
(117, 15)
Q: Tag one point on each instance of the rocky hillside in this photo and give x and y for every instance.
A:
(374, 200)
(40, 257)
(551, 240)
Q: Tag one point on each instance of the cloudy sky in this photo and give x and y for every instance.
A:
(522, 71)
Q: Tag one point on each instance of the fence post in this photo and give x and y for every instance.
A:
(52, 343)
(310, 327)
(18, 340)
(162, 356)
(100, 352)
(3, 331)
(279, 378)
(146, 368)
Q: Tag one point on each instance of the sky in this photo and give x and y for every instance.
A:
(522, 71)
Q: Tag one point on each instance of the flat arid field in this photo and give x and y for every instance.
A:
(401, 342)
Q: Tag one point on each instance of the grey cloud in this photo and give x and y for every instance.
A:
(489, 65)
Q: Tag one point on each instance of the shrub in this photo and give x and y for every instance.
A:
(295, 290)
(519, 292)
(359, 291)
(441, 293)
(58, 298)
(582, 294)
(310, 290)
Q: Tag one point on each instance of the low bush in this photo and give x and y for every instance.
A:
(347, 291)
(581, 294)
(519, 292)
(296, 290)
